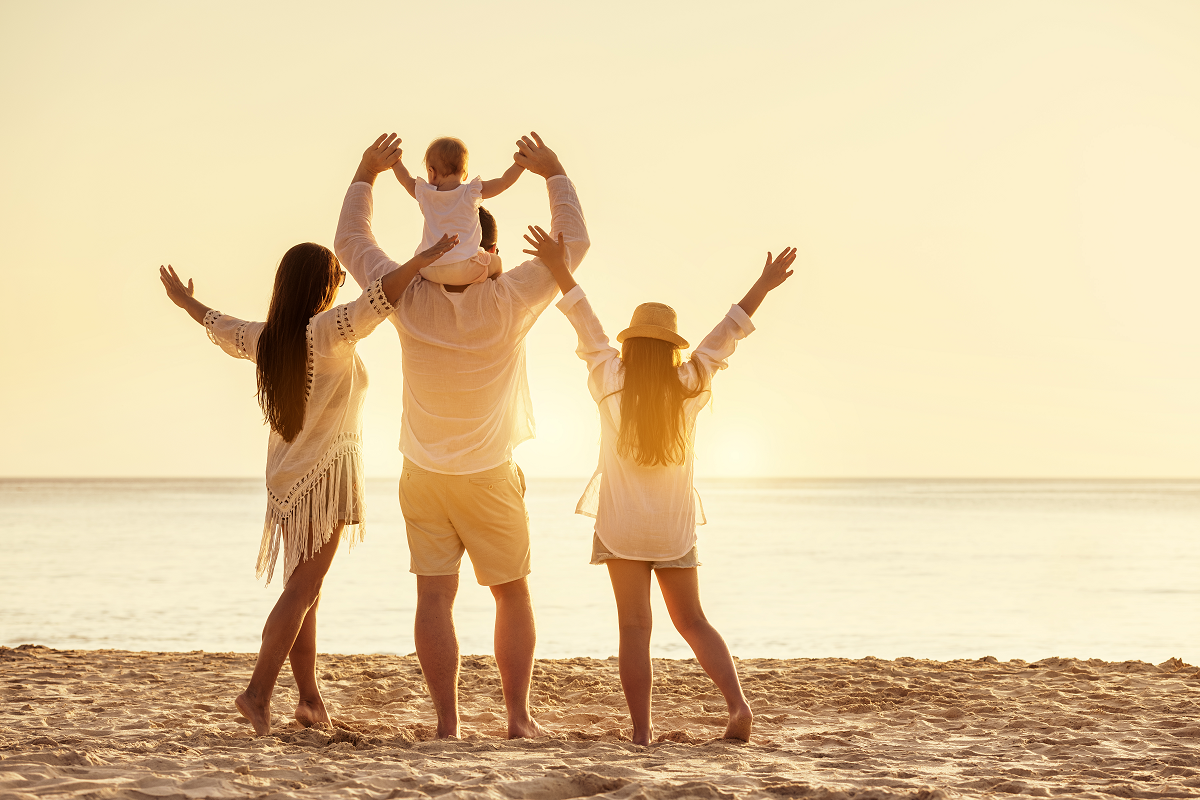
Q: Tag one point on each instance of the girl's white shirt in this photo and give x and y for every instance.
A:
(451, 212)
(645, 513)
(319, 472)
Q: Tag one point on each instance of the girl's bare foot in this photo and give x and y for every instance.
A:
(259, 713)
(740, 723)
(309, 714)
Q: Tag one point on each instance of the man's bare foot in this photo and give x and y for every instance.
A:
(525, 729)
(310, 714)
(740, 723)
(259, 713)
(643, 738)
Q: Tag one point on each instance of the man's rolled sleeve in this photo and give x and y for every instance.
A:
(354, 243)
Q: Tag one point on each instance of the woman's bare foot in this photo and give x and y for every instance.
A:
(525, 729)
(311, 714)
(740, 723)
(259, 713)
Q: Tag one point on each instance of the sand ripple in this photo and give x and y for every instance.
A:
(162, 725)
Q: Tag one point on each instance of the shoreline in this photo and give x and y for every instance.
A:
(129, 724)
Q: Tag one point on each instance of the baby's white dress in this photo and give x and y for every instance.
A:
(455, 211)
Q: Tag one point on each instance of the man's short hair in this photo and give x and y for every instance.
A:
(488, 223)
(447, 155)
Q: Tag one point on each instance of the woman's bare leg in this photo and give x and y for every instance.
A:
(310, 709)
(681, 591)
(631, 587)
(280, 632)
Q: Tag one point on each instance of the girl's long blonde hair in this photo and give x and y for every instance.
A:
(653, 428)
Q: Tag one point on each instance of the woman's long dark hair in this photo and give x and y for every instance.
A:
(305, 285)
(653, 429)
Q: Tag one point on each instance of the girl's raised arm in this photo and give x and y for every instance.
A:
(774, 273)
(181, 295)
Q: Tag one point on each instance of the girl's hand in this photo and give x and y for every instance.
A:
(549, 251)
(776, 270)
(443, 246)
(176, 291)
(553, 255)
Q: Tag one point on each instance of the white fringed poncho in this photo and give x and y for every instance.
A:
(315, 480)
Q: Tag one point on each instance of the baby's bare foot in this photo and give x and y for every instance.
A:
(313, 714)
(258, 713)
(740, 723)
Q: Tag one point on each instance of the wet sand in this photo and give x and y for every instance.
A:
(105, 723)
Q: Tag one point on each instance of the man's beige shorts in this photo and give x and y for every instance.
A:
(483, 514)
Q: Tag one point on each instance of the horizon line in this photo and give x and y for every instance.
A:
(814, 478)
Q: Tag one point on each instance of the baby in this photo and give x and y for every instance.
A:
(452, 207)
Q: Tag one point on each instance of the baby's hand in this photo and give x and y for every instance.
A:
(549, 251)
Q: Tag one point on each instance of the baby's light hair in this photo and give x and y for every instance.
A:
(447, 155)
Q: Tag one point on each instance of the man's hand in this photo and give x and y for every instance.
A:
(533, 155)
(379, 157)
(553, 255)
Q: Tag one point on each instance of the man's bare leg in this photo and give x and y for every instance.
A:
(516, 636)
(310, 709)
(437, 647)
(280, 632)
(681, 591)
(631, 587)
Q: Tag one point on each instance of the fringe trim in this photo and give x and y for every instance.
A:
(310, 519)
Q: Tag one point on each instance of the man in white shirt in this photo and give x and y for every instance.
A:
(466, 406)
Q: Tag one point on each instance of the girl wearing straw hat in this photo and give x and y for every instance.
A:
(641, 495)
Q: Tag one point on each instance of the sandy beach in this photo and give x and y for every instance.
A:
(110, 723)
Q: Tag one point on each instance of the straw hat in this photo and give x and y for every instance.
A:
(654, 321)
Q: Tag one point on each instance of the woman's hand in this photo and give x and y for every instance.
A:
(396, 282)
(443, 246)
(553, 255)
(176, 291)
(181, 295)
(381, 156)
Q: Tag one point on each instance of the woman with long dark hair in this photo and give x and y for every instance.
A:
(641, 494)
(311, 385)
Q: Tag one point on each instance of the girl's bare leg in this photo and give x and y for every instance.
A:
(310, 710)
(631, 586)
(681, 591)
(279, 634)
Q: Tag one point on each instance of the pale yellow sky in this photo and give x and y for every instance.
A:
(995, 205)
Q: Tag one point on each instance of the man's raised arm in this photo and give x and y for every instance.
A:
(354, 243)
(532, 280)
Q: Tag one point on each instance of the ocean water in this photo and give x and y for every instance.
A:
(791, 568)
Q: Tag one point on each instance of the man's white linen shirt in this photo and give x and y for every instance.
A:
(466, 393)
(645, 513)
